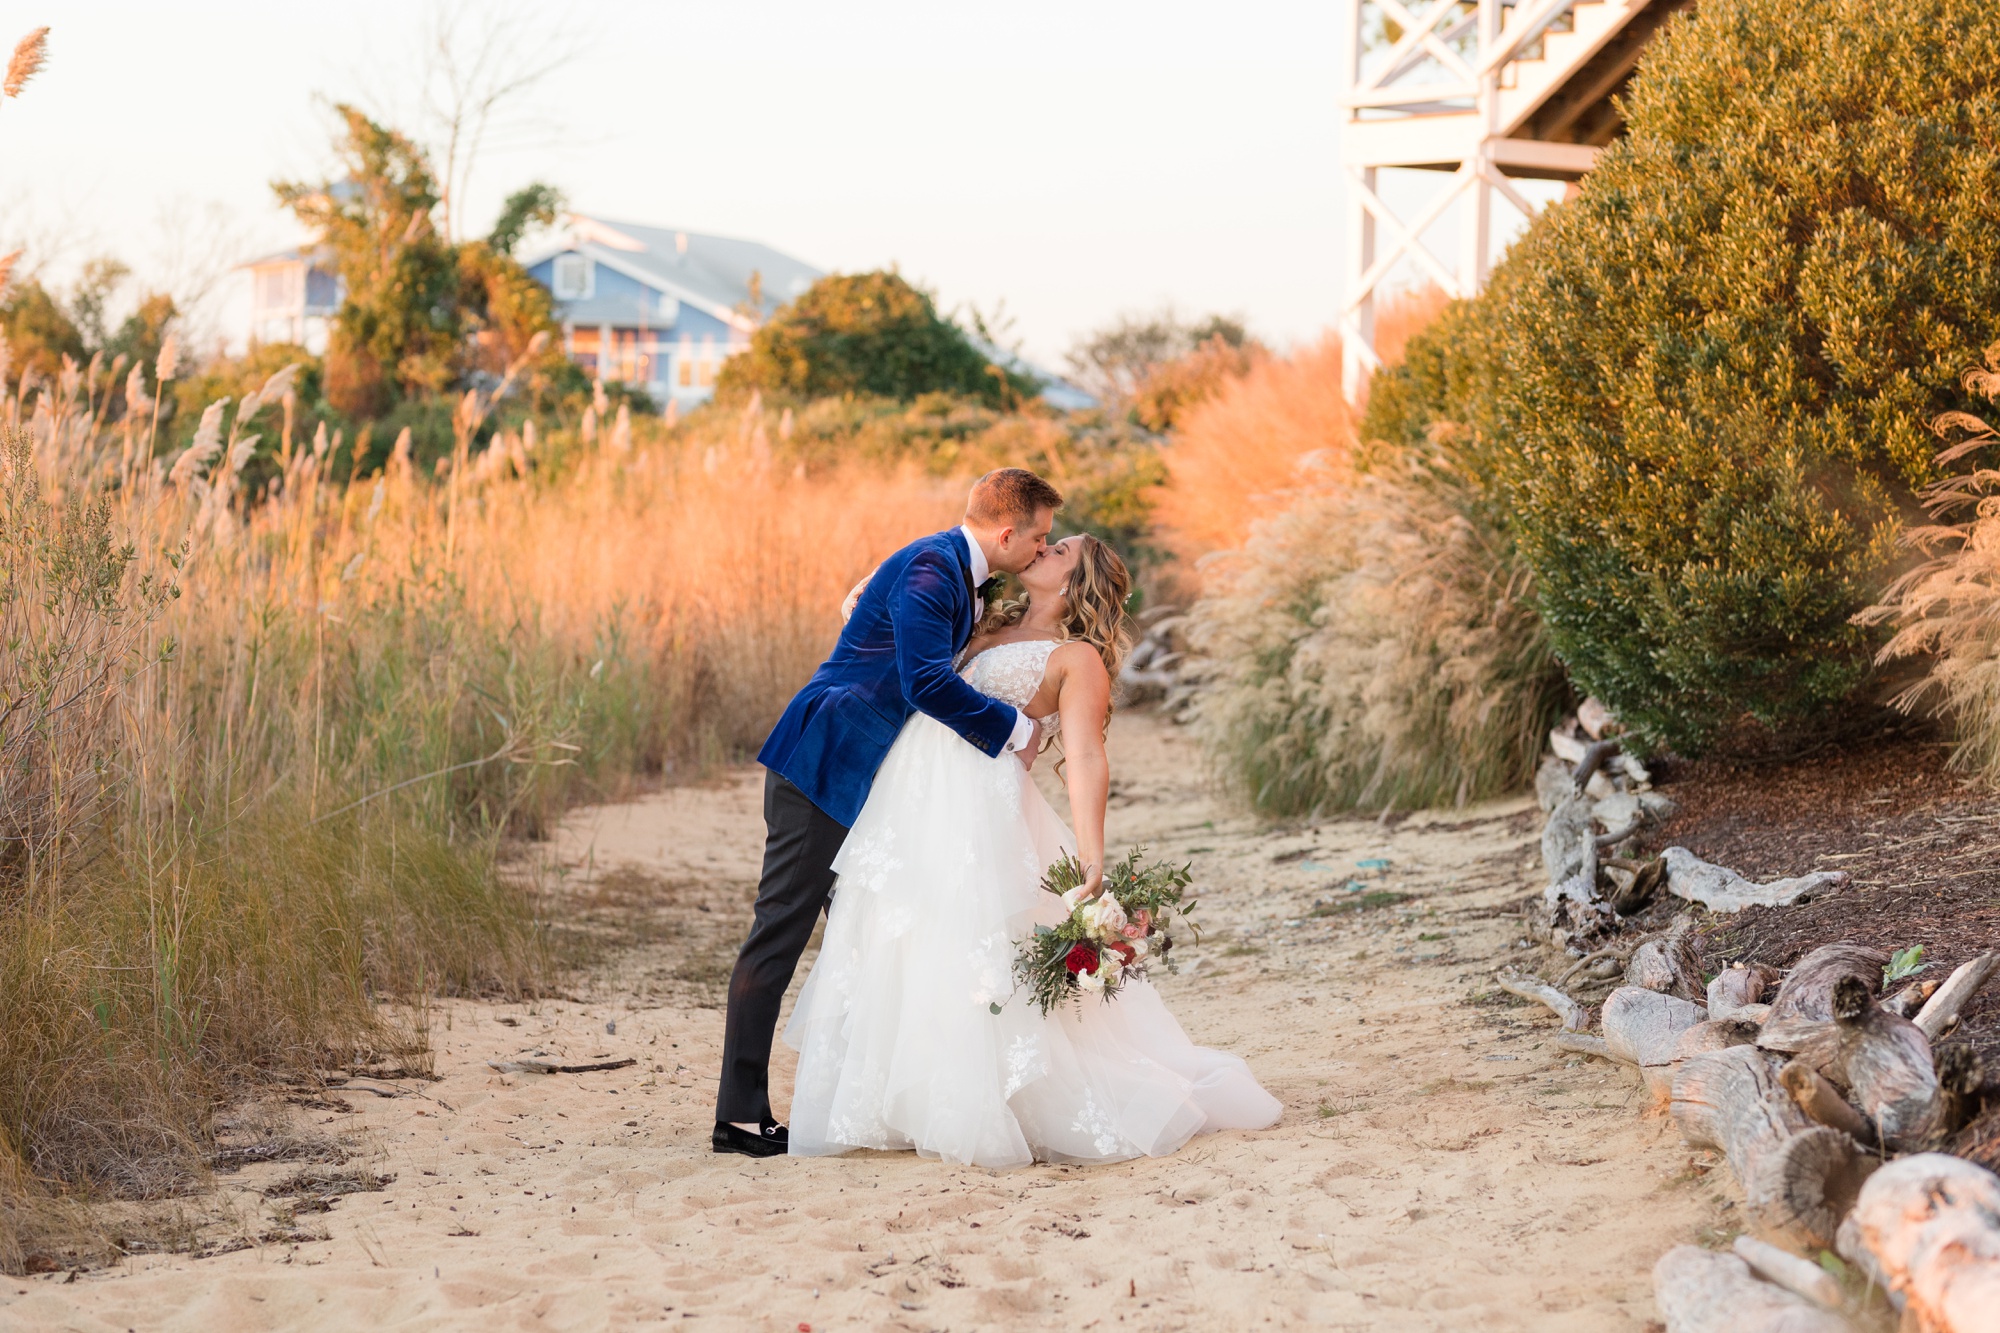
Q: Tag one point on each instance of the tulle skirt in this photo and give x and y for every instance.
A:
(899, 1045)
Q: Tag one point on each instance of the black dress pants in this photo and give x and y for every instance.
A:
(800, 841)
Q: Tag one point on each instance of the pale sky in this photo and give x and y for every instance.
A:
(1076, 159)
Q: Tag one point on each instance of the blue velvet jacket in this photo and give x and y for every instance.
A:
(894, 658)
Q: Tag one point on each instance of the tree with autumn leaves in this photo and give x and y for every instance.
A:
(421, 314)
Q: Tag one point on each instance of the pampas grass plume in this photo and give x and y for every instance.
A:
(29, 56)
(169, 363)
(207, 444)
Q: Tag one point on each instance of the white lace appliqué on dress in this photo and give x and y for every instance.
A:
(899, 1045)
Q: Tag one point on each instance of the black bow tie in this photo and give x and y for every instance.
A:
(990, 589)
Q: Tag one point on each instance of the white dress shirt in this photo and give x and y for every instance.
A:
(1024, 726)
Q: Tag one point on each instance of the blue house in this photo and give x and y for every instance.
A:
(294, 295)
(660, 309)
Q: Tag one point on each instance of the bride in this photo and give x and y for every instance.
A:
(910, 1031)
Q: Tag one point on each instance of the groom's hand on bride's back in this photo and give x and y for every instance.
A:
(1027, 753)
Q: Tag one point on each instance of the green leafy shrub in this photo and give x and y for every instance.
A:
(866, 333)
(1701, 386)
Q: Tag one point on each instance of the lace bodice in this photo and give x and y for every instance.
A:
(1012, 673)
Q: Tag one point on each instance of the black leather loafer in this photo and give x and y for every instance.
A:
(774, 1141)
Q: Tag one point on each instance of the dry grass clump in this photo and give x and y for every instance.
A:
(1365, 638)
(1233, 458)
(1947, 608)
(1370, 646)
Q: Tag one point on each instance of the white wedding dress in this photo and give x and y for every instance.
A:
(899, 1047)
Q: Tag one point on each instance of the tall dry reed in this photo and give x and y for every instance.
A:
(262, 757)
(1233, 458)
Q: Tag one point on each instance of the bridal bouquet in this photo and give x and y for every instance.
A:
(1106, 939)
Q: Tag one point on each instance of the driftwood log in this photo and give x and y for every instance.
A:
(1907, 1001)
(1821, 1101)
(1735, 987)
(1885, 1063)
(1569, 841)
(1645, 1027)
(1798, 1177)
(1723, 890)
(1582, 1043)
(1670, 964)
(1928, 1229)
(1702, 1292)
(1575, 1018)
(1964, 1091)
(1802, 1277)
(1803, 1006)
(1717, 1034)
(1942, 1008)
(1645, 886)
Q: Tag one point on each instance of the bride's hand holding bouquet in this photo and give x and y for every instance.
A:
(1118, 925)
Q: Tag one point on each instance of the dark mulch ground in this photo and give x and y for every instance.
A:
(1921, 844)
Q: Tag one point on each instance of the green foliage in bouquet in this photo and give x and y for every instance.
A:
(1098, 949)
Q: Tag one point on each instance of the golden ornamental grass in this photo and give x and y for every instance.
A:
(1371, 647)
(276, 738)
(1361, 638)
(30, 54)
(1946, 609)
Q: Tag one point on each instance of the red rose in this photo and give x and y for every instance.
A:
(1124, 951)
(1082, 958)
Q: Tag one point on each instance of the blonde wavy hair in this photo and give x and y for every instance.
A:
(1093, 610)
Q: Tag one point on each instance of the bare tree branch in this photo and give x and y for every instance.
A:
(481, 60)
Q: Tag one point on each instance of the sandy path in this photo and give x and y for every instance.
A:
(1439, 1165)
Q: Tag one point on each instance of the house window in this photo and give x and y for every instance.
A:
(572, 277)
(278, 288)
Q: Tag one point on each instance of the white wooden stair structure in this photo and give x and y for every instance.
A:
(1487, 90)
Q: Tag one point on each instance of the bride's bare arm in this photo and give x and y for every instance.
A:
(1084, 700)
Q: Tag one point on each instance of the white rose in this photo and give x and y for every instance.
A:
(1090, 981)
(1105, 916)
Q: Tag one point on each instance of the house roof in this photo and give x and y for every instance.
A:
(319, 256)
(711, 273)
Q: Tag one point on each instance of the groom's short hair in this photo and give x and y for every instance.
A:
(1010, 495)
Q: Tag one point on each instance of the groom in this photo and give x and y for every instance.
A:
(894, 657)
